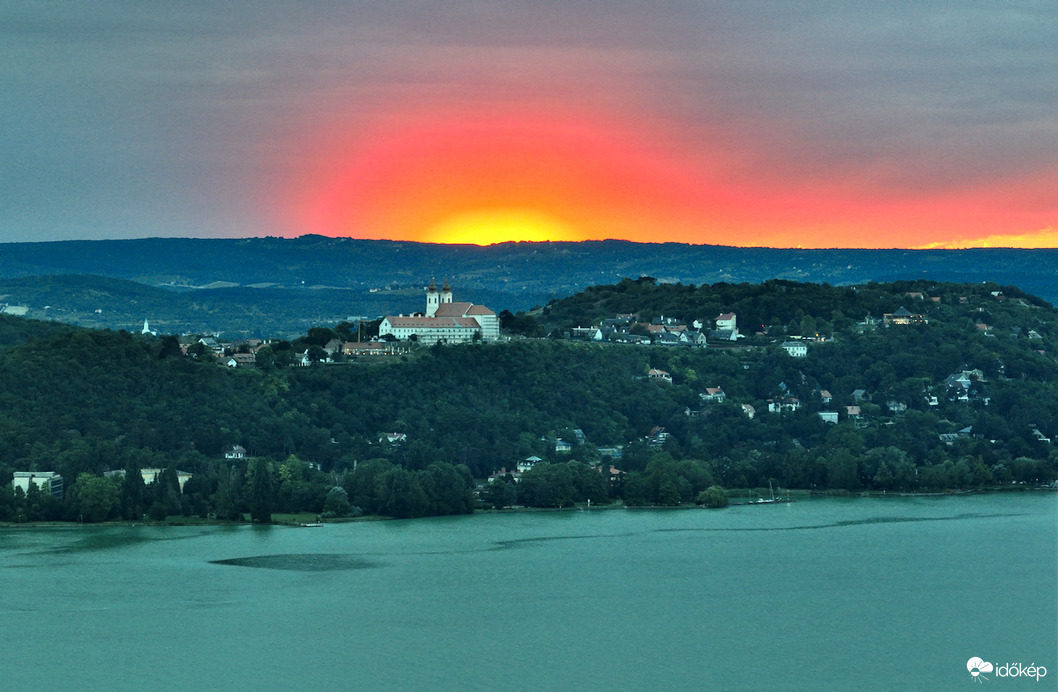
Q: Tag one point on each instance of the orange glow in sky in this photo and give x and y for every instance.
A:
(525, 174)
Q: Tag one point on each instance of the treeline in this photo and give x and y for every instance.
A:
(255, 489)
(664, 481)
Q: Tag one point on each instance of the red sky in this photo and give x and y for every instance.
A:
(516, 172)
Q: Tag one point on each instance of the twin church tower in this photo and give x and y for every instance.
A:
(444, 321)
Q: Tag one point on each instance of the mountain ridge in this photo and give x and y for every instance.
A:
(345, 276)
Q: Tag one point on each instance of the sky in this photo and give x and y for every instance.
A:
(853, 124)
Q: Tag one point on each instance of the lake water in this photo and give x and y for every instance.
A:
(887, 593)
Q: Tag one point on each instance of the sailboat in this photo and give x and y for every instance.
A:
(773, 500)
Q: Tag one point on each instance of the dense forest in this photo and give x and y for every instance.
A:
(963, 400)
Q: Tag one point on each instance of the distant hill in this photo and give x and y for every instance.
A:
(280, 285)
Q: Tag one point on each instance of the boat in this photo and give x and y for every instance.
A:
(773, 500)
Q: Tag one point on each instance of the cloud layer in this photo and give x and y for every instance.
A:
(839, 124)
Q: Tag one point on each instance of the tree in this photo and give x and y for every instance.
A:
(261, 492)
(133, 493)
(337, 502)
(95, 497)
(169, 348)
(713, 497)
(400, 495)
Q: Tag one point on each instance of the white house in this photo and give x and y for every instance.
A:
(528, 463)
(235, 452)
(726, 321)
(796, 349)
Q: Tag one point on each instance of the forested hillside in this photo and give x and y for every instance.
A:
(964, 399)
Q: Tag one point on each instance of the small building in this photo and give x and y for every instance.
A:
(235, 452)
(786, 404)
(726, 321)
(151, 475)
(658, 436)
(48, 481)
(903, 316)
(655, 374)
(829, 416)
(528, 463)
(796, 349)
(713, 394)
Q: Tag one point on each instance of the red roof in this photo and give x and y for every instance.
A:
(453, 309)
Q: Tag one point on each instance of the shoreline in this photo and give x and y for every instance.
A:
(303, 520)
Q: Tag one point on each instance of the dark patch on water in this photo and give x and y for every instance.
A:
(521, 542)
(301, 562)
(848, 522)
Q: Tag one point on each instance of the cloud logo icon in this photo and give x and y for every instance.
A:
(976, 666)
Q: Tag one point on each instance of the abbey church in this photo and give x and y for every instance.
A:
(444, 321)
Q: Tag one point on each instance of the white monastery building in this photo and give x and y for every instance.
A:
(445, 321)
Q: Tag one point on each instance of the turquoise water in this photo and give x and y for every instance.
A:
(894, 593)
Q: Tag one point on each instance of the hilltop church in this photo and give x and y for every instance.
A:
(444, 321)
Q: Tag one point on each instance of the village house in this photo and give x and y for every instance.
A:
(235, 452)
(655, 374)
(712, 395)
(613, 475)
(727, 322)
(372, 348)
(796, 349)
(528, 463)
(786, 404)
(658, 436)
(903, 316)
(516, 476)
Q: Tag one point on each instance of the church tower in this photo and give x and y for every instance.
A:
(432, 299)
(446, 292)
